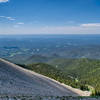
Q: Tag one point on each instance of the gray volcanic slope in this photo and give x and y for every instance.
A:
(15, 80)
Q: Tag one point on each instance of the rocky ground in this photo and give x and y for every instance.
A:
(15, 80)
(46, 98)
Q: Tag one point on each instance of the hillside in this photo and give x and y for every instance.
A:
(79, 73)
(36, 59)
(15, 80)
(86, 71)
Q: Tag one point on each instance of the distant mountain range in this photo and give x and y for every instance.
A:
(64, 46)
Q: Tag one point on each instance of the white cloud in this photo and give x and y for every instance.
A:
(90, 25)
(90, 28)
(17, 25)
(70, 30)
(3, 1)
(9, 18)
(52, 30)
(20, 23)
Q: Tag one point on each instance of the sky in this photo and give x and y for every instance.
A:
(49, 16)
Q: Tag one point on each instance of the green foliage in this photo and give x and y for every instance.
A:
(56, 74)
(87, 71)
(79, 73)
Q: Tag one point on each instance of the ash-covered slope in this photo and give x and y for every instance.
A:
(15, 80)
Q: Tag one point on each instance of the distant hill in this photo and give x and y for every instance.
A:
(37, 59)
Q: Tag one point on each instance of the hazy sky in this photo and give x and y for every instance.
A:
(49, 16)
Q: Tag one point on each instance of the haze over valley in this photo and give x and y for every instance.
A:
(42, 48)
